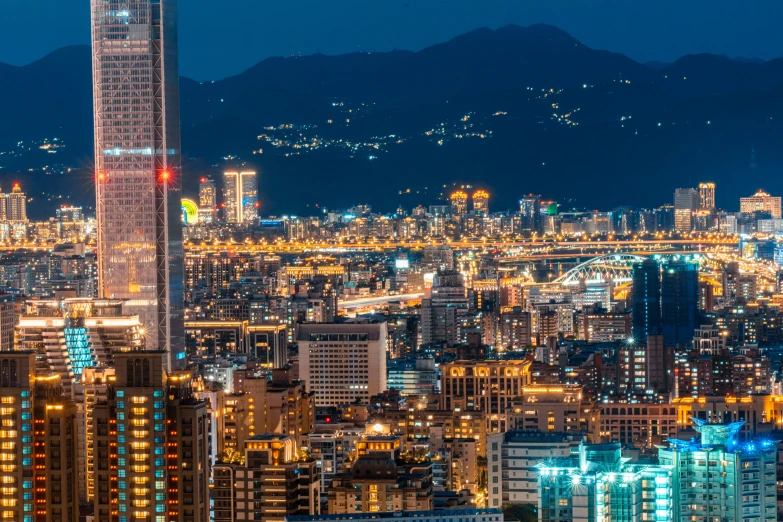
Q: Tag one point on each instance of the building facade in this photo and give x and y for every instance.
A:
(137, 165)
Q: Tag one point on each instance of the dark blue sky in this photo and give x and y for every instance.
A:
(219, 38)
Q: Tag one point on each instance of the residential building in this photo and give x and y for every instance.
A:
(274, 482)
(512, 460)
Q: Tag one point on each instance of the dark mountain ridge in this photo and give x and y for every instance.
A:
(406, 93)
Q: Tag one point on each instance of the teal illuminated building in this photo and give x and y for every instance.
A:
(714, 478)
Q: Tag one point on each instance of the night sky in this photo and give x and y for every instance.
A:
(221, 38)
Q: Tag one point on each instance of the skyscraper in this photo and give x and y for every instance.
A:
(686, 200)
(459, 203)
(481, 203)
(16, 206)
(207, 200)
(137, 162)
(646, 298)
(530, 210)
(707, 196)
(240, 195)
(679, 302)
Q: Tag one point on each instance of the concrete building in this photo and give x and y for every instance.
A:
(151, 436)
(380, 483)
(72, 334)
(761, 202)
(609, 488)
(639, 425)
(486, 386)
(343, 362)
(273, 483)
(39, 467)
(553, 408)
(686, 202)
(604, 326)
(512, 460)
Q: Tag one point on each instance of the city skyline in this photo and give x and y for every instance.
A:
(184, 356)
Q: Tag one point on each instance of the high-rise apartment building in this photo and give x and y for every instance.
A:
(271, 484)
(137, 164)
(713, 477)
(513, 457)
(6, 322)
(152, 445)
(207, 200)
(240, 196)
(72, 334)
(16, 204)
(761, 202)
(487, 386)
(343, 362)
(686, 201)
(481, 203)
(38, 449)
(459, 203)
(439, 311)
(707, 196)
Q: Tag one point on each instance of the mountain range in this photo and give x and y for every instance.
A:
(513, 110)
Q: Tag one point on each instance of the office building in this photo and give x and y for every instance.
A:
(272, 483)
(207, 200)
(530, 212)
(707, 196)
(38, 448)
(646, 299)
(137, 165)
(342, 362)
(512, 460)
(761, 202)
(686, 202)
(152, 440)
(412, 377)
(240, 196)
(679, 301)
